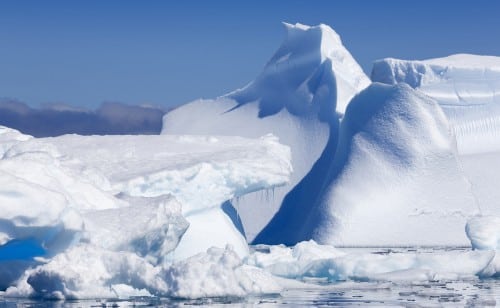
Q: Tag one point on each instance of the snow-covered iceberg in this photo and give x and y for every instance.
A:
(394, 180)
(298, 97)
(86, 216)
(467, 88)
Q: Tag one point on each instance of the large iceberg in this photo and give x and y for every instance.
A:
(467, 88)
(380, 172)
(124, 205)
(395, 178)
(373, 165)
(299, 97)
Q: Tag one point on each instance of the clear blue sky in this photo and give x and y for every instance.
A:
(170, 52)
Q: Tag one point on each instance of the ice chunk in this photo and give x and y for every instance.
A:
(201, 172)
(86, 271)
(150, 227)
(218, 272)
(91, 272)
(309, 260)
(102, 211)
(466, 86)
(484, 232)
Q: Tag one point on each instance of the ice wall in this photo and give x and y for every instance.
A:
(84, 216)
(466, 88)
(297, 97)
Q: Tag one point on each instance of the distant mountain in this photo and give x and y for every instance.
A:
(59, 119)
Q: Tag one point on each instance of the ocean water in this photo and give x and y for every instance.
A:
(442, 293)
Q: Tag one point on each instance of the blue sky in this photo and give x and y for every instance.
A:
(170, 52)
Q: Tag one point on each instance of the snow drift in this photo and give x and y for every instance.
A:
(298, 97)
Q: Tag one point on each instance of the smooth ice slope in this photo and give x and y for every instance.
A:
(466, 86)
(395, 178)
(484, 232)
(297, 97)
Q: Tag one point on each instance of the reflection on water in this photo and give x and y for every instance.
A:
(477, 293)
(462, 293)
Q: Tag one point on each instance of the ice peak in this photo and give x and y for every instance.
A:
(323, 35)
(311, 72)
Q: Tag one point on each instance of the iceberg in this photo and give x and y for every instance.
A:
(484, 232)
(395, 177)
(466, 88)
(299, 97)
(405, 162)
(88, 215)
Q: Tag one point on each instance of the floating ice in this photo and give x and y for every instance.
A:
(467, 89)
(309, 260)
(297, 97)
(106, 216)
(484, 232)
(466, 86)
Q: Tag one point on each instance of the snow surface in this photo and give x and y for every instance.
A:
(466, 86)
(126, 207)
(298, 96)
(484, 232)
(310, 260)
(467, 89)
(395, 178)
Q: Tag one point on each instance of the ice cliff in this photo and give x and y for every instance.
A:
(299, 97)
(88, 215)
